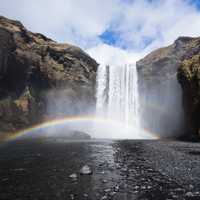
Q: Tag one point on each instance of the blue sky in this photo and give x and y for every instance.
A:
(110, 37)
(113, 38)
(196, 3)
(109, 30)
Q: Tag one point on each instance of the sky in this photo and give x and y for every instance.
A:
(111, 31)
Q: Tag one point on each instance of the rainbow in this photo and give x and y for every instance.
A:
(64, 121)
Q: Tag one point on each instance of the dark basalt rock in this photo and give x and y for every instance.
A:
(158, 78)
(189, 77)
(41, 79)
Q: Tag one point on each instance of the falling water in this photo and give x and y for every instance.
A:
(117, 94)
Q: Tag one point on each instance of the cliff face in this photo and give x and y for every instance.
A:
(160, 91)
(189, 77)
(40, 78)
(162, 64)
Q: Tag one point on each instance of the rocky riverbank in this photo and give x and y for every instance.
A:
(105, 170)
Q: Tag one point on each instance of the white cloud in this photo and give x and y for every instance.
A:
(161, 21)
(75, 21)
(81, 22)
(106, 54)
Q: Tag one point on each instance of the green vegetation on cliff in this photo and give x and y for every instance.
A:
(189, 77)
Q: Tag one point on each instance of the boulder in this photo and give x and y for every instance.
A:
(85, 170)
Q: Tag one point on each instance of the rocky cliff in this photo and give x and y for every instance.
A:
(40, 78)
(162, 103)
(189, 77)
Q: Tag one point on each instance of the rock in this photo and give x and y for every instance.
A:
(73, 176)
(112, 193)
(143, 187)
(41, 79)
(104, 197)
(116, 188)
(107, 190)
(85, 170)
(162, 64)
(189, 194)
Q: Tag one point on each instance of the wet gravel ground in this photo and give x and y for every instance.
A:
(121, 170)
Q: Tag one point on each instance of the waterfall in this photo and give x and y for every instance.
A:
(117, 94)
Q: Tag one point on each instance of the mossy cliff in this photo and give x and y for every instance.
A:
(189, 77)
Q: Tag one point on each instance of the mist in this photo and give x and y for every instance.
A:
(158, 109)
(161, 109)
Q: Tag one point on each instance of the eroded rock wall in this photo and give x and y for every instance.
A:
(189, 77)
(40, 78)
